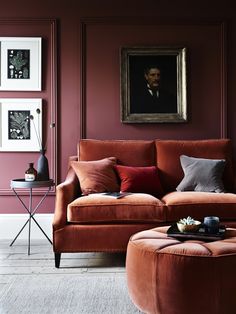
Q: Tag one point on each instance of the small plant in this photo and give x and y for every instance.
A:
(187, 221)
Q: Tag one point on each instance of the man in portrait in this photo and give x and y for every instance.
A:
(151, 96)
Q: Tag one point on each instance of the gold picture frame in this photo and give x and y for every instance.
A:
(162, 101)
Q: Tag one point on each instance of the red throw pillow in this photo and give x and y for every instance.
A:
(139, 180)
(96, 176)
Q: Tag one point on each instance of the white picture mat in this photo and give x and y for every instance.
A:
(27, 145)
(34, 44)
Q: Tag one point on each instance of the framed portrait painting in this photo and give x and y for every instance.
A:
(21, 124)
(20, 63)
(153, 85)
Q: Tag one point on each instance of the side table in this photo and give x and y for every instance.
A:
(22, 184)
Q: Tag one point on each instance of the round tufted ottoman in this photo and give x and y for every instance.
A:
(168, 276)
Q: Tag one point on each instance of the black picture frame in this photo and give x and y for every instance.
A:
(138, 104)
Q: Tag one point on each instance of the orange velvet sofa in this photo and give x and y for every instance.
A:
(95, 223)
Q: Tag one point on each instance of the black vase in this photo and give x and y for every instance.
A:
(42, 167)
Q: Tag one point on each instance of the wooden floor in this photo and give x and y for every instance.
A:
(15, 260)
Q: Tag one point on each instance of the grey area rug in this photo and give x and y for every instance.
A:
(67, 294)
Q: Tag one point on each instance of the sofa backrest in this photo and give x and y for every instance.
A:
(168, 159)
(128, 152)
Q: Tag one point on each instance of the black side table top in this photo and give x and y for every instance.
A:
(22, 184)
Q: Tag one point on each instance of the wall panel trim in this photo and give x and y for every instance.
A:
(52, 100)
(85, 22)
(224, 125)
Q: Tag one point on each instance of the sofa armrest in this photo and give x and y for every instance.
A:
(66, 192)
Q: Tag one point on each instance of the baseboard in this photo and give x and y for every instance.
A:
(10, 225)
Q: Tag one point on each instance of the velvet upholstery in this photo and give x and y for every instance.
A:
(168, 159)
(199, 204)
(66, 192)
(167, 276)
(96, 208)
(139, 180)
(104, 224)
(96, 237)
(96, 176)
(201, 174)
(127, 152)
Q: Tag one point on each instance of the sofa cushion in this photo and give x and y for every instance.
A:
(97, 208)
(202, 174)
(127, 152)
(96, 176)
(169, 152)
(200, 204)
(139, 180)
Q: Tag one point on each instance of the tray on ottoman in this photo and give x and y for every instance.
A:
(201, 234)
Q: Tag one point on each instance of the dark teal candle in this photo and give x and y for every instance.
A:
(212, 224)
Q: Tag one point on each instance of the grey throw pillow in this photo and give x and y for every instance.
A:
(201, 174)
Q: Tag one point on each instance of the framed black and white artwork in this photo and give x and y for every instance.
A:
(20, 63)
(21, 124)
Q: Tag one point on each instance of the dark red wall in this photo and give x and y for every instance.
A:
(90, 33)
(205, 47)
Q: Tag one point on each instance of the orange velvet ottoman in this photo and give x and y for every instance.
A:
(168, 276)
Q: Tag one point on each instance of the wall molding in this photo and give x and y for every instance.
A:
(224, 120)
(82, 117)
(10, 224)
(51, 95)
(144, 21)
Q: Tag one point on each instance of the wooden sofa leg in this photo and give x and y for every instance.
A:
(57, 259)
